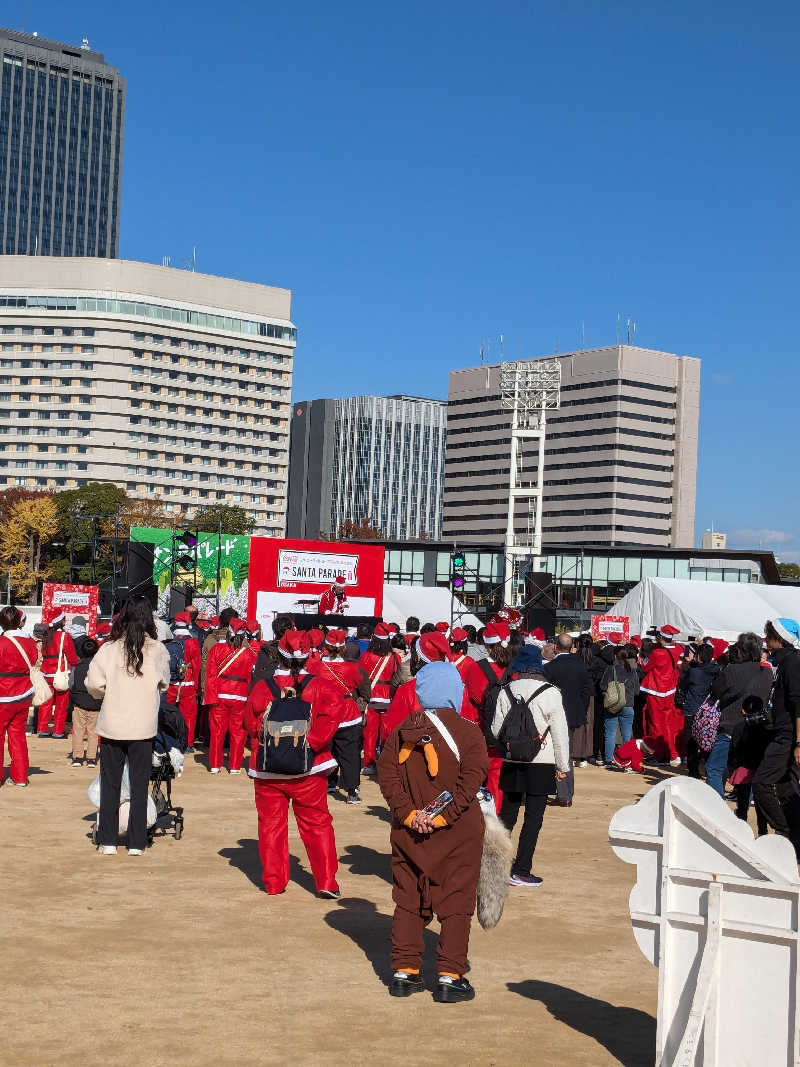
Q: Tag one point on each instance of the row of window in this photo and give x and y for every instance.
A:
(576, 387)
(202, 319)
(50, 331)
(204, 429)
(202, 346)
(56, 349)
(216, 446)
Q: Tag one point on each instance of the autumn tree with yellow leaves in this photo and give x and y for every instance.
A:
(29, 526)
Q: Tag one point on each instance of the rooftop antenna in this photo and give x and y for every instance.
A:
(631, 329)
(617, 327)
(166, 261)
(85, 43)
(502, 350)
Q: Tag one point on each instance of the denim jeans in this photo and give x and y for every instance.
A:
(625, 721)
(717, 763)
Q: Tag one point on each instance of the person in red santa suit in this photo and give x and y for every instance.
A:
(228, 671)
(334, 600)
(412, 630)
(58, 657)
(18, 653)
(663, 722)
(429, 648)
(350, 678)
(459, 639)
(103, 632)
(483, 677)
(183, 694)
(379, 663)
(443, 628)
(316, 638)
(307, 793)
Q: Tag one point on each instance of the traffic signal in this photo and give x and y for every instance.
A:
(457, 564)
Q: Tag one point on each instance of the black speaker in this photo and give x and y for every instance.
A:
(139, 569)
(180, 597)
(540, 609)
(147, 590)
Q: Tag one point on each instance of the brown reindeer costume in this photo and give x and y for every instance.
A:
(434, 873)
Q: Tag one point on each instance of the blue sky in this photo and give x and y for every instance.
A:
(429, 176)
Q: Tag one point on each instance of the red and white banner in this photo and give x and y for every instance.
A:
(603, 625)
(72, 600)
(291, 576)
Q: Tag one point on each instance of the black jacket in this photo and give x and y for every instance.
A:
(569, 673)
(786, 694)
(629, 678)
(733, 684)
(696, 682)
(267, 662)
(80, 695)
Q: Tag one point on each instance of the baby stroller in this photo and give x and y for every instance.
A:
(172, 733)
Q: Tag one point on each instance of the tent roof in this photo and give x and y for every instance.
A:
(428, 603)
(720, 609)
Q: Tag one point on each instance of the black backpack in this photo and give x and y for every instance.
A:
(489, 702)
(283, 746)
(518, 740)
(177, 660)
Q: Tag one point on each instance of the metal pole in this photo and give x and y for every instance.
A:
(512, 485)
(537, 527)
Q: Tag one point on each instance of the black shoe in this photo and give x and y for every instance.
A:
(91, 763)
(44, 733)
(329, 894)
(404, 984)
(451, 990)
(77, 761)
(353, 797)
(189, 749)
(58, 737)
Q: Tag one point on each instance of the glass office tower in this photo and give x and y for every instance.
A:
(62, 112)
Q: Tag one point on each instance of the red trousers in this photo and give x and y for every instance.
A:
(13, 718)
(309, 797)
(226, 717)
(371, 729)
(61, 701)
(493, 779)
(663, 728)
(186, 699)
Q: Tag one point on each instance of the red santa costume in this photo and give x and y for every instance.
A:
(58, 654)
(458, 652)
(380, 664)
(184, 693)
(443, 628)
(103, 632)
(663, 722)
(478, 678)
(334, 600)
(307, 794)
(228, 670)
(18, 654)
(431, 648)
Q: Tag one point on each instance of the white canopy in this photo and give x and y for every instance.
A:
(428, 603)
(719, 609)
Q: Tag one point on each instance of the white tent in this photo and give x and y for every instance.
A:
(719, 609)
(428, 603)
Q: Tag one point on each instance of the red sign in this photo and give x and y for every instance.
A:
(72, 600)
(291, 576)
(603, 625)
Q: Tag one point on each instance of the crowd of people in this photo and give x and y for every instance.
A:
(440, 714)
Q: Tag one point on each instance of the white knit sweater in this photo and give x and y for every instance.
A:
(548, 710)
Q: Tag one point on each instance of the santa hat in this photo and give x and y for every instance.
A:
(295, 645)
(514, 618)
(458, 635)
(253, 626)
(636, 641)
(788, 630)
(103, 629)
(236, 626)
(504, 614)
(497, 633)
(614, 638)
(667, 632)
(433, 647)
(339, 579)
(204, 624)
(316, 638)
(335, 638)
(382, 632)
(59, 616)
(719, 644)
(393, 627)
(538, 634)
(442, 627)
(183, 620)
(22, 617)
(214, 621)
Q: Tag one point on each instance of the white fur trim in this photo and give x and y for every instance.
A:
(319, 768)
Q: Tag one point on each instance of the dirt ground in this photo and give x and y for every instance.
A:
(179, 957)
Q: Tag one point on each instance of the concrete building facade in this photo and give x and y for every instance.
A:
(620, 455)
(165, 382)
(62, 117)
(367, 457)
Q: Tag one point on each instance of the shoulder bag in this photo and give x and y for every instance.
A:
(61, 677)
(614, 695)
(41, 690)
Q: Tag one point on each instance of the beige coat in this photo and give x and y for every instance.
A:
(130, 702)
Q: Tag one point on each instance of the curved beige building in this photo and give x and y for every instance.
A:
(166, 382)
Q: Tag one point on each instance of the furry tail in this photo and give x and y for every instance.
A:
(498, 853)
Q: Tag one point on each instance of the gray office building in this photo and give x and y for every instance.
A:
(62, 114)
(620, 456)
(367, 457)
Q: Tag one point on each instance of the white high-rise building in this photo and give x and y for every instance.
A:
(165, 382)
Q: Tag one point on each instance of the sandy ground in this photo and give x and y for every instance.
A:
(179, 957)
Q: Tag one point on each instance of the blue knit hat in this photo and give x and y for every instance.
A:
(527, 661)
(788, 630)
(439, 685)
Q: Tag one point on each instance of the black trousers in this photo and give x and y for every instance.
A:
(112, 763)
(775, 789)
(346, 749)
(535, 806)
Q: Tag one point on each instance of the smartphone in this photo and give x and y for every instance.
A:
(439, 804)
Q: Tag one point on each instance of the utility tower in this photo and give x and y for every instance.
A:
(529, 389)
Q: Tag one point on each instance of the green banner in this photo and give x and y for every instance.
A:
(234, 562)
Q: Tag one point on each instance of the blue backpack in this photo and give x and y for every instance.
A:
(177, 660)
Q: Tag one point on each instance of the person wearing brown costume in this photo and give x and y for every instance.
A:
(435, 859)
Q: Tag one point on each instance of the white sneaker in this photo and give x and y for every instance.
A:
(235, 772)
(674, 763)
(107, 850)
(22, 785)
(582, 763)
(369, 771)
(215, 770)
(135, 851)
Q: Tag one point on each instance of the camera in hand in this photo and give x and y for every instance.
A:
(756, 712)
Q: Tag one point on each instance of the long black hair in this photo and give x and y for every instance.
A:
(134, 622)
(10, 618)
